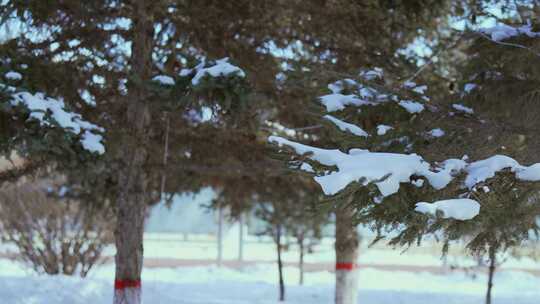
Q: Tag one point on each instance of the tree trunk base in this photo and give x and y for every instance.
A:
(347, 241)
(128, 296)
(346, 286)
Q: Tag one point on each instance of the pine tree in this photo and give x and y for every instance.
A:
(499, 82)
(286, 205)
(389, 121)
(118, 87)
(386, 188)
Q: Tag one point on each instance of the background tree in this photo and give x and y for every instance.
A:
(110, 82)
(286, 206)
(494, 185)
(389, 121)
(53, 233)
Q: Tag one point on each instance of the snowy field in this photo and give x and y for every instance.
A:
(255, 282)
(201, 247)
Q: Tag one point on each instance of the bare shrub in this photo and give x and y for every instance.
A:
(55, 235)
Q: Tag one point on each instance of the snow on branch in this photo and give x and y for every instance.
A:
(383, 129)
(462, 108)
(387, 171)
(340, 85)
(362, 165)
(459, 209)
(396, 168)
(437, 132)
(469, 87)
(164, 80)
(345, 126)
(219, 68)
(337, 101)
(12, 75)
(483, 170)
(376, 73)
(412, 106)
(503, 32)
(49, 111)
(366, 95)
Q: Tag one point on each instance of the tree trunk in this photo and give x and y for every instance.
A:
(301, 262)
(492, 263)
(346, 257)
(220, 237)
(241, 239)
(129, 251)
(280, 264)
(133, 181)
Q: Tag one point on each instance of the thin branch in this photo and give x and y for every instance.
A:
(508, 44)
(432, 58)
(308, 128)
(13, 174)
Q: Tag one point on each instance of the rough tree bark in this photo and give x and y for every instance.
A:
(492, 267)
(133, 180)
(280, 264)
(346, 248)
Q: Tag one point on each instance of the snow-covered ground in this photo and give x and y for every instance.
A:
(256, 284)
(386, 276)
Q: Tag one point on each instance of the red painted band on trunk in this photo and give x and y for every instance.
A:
(123, 284)
(345, 266)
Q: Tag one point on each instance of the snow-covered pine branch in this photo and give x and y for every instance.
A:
(210, 88)
(388, 171)
(362, 165)
(52, 113)
(220, 68)
(217, 68)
